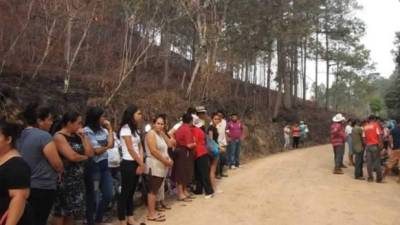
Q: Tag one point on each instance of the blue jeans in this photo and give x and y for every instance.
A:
(338, 152)
(97, 179)
(234, 153)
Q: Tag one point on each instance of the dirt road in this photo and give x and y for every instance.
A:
(293, 188)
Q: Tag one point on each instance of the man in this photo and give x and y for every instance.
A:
(373, 141)
(358, 149)
(394, 154)
(286, 135)
(349, 141)
(303, 132)
(234, 131)
(222, 142)
(338, 138)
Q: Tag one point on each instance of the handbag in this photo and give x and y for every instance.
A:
(3, 218)
(212, 147)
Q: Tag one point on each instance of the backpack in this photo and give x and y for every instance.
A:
(212, 147)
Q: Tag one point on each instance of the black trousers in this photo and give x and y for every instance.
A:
(129, 181)
(222, 162)
(41, 201)
(202, 175)
(296, 141)
(358, 167)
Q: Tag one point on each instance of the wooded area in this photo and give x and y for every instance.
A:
(252, 50)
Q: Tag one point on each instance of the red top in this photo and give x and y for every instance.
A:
(296, 131)
(184, 136)
(200, 139)
(338, 136)
(371, 134)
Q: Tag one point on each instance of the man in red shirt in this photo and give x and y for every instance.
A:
(338, 138)
(373, 140)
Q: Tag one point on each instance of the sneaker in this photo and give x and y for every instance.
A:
(224, 175)
(234, 167)
(338, 171)
(209, 196)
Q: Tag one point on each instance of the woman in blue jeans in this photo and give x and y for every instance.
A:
(97, 174)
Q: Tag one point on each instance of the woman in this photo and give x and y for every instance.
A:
(14, 179)
(212, 132)
(75, 149)
(132, 164)
(99, 131)
(296, 133)
(157, 164)
(183, 159)
(39, 151)
(202, 162)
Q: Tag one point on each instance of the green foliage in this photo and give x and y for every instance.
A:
(376, 105)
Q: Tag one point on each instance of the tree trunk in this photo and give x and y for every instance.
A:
(305, 71)
(316, 68)
(269, 73)
(282, 74)
(327, 71)
(165, 44)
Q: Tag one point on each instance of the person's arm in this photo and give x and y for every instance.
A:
(155, 152)
(132, 152)
(87, 147)
(51, 154)
(97, 149)
(65, 149)
(169, 141)
(17, 205)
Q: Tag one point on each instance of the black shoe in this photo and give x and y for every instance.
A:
(370, 179)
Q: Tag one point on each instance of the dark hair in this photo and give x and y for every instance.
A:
(221, 112)
(214, 115)
(355, 122)
(35, 111)
(159, 116)
(187, 118)
(191, 110)
(10, 130)
(65, 119)
(93, 116)
(127, 119)
(372, 118)
(234, 114)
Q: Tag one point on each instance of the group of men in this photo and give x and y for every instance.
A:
(368, 141)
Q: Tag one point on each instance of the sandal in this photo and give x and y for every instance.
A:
(160, 209)
(156, 219)
(165, 207)
(184, 199)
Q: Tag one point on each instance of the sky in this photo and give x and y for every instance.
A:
(382, 18)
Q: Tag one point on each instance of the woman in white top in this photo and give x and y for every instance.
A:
(132, 162)
(157, 164)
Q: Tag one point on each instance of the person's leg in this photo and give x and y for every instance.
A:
(350, 155)
(230, 152)
(41, 202)
(197, 175)
(358, 165)
(237, 153)
(204, 169)
(377, 164)
(131, 193)
(154, 185)
(213, 168)
(127, 171)
(334, 157)
(223, 164)
(341, 154)
(369, 164)
(106, 186)
(89, 173)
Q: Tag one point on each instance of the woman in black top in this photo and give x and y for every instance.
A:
(75, 149)
(212, 132)
(14, 178)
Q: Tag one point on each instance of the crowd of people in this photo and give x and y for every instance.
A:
(294, 135)
(66, 168)
(372, 141)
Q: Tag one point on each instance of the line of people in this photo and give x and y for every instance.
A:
(373, 141)
(295, 134)
(67, 168)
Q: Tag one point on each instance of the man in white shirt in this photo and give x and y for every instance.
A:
(348, 130)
